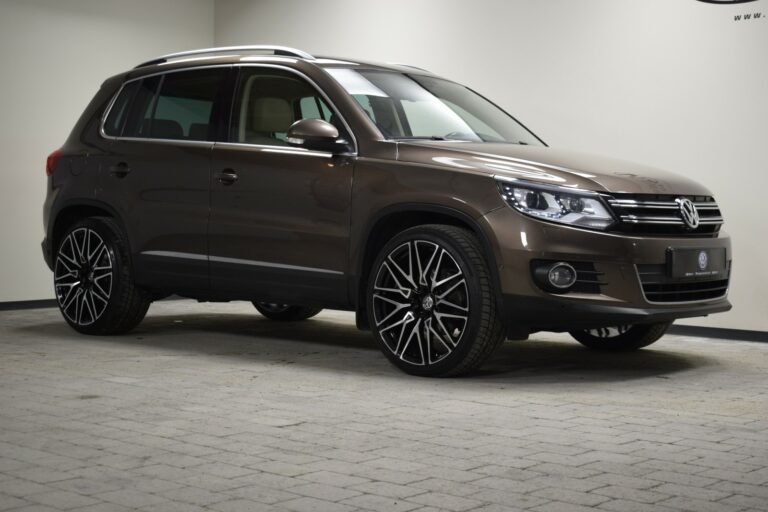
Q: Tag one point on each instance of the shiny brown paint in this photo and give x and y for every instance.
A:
(288, 207)
(164, 201)
(302, 227)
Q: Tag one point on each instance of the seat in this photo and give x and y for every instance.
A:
(162, 129)
(198, 131)
(268, 116)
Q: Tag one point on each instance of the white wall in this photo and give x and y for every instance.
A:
(54, 55)
(672, 83)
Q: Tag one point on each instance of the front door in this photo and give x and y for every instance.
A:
(279, 227)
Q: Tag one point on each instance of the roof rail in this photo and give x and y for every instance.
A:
(276, 50)
(408, 66)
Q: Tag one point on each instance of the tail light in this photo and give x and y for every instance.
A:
(52, 162)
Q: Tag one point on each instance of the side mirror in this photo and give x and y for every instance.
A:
(317, 135)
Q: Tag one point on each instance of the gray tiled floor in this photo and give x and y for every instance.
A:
(211, 407)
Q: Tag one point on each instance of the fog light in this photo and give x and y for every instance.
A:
(561, 275)
(553, 276)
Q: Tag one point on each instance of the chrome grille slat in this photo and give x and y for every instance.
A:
(672, 222)
(667, 220)
(670, 206)
(655, 215)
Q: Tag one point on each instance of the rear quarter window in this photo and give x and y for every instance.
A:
(113, 125)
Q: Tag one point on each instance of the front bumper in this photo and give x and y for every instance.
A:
(553, 314)
(519, 239)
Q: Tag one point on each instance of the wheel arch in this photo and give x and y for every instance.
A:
(396, 218)
(74, 210)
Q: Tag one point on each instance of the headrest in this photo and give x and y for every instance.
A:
(198, 131)
(162, 129)
(271, 115)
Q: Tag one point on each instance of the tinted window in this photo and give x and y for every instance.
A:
(113, 125)
(140, 113)
(268, 101)
(182, 108)
(312, 107)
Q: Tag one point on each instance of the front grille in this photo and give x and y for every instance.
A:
(653, 214)
(659, 287)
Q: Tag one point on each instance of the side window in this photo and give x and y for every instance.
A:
(179, 107)
(313, 107)
(269, 101)
(140, 112)
(113, 125)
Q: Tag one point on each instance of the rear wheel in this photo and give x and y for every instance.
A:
(286, 312)
(621, 338)
(431, 302)
(93, 279)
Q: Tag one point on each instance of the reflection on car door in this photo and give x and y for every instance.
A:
(157, 175)
(280, 215)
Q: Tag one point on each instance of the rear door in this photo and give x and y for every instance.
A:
(158, 173)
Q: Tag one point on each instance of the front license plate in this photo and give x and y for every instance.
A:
(697, 263)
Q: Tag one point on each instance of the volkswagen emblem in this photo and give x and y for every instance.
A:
(688, 212)
(703, 260)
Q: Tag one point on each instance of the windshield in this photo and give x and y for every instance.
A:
(423, 107)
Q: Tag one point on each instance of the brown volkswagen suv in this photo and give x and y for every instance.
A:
(296, 182)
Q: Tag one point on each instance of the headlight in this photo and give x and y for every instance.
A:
(576, 208)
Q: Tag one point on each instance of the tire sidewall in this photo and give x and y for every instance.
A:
(120, 266)
(637, 337)
(292, 313)
(476, 301)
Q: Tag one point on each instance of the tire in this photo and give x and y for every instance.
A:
(622, 338)
(286, 312)
(93, 279)
(431, 302)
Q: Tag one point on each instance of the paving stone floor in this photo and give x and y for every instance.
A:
(212, 407)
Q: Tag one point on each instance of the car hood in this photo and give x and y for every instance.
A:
(550, 166)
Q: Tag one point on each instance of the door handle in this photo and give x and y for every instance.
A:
(227, 177)
(120, 170)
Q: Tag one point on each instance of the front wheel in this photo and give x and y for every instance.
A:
(622, 338)
(431, 302)
(285, 312)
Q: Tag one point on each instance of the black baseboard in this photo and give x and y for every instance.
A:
(719, 333)
(28, 304)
